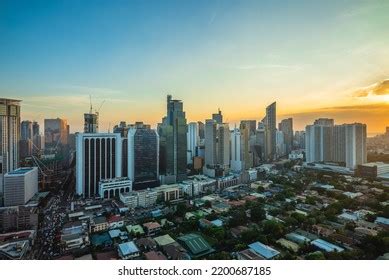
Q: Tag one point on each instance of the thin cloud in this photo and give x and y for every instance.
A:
(270, 66)
(379, 88)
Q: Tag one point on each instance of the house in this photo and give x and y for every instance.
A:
(99, 224)
(152, 228)
(326, 246)
(175, 251)
(128, 251)
(195, 244)
(164, 240)
(146, 244)
(109, 255)
(248, 254)
(118, 236)
(382, 221)
(263, 250)
(155, 255)
(288, 245)
(135, 230)
(323, 230)
(115, 221)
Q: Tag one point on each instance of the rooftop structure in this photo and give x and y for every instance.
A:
(265, 251)
(326, 246)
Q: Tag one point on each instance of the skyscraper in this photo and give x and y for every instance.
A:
(201, 130)
(143, 156)
(246, 155)
(286, 126)
(356, 152)
(26, 131)
(9, 137)
(26, 143)
(270, 122)
(223, 145)
(91, 122)
(318, 142)
(236, 160)
(210, 143)
(35, 128)
(251, 124)
(38, 139)
(349, 144)
(99, 157)
(56, 132)
(173, 146)
(280, 144)
(193, 140)
(218, 117)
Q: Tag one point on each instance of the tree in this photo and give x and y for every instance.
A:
(257, 213)
(273, 228)
(181, 209)
(315, 256)
(238, 217)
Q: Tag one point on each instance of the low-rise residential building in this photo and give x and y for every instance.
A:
(263, 250)
(128, 250)
(99, 224)
(152, 228)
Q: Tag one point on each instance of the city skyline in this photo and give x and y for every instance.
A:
(314, 59)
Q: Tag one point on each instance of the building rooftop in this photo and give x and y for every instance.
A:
(128, 248)
(196, 244)
(265, 251)
(151, 225)
(297, 238)
(249, 254)
(134, 229)
(164, 240)
(155, 255)
(20, 171)
(382, 220)
(326, 246)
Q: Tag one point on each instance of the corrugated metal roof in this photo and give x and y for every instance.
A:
(265, 251)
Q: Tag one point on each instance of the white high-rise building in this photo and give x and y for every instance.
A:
(20, 185)
(318, 143)
(98, 157)
(280, 144)
(345, 144)
(355, 139)
(236, 159)
(193, 140)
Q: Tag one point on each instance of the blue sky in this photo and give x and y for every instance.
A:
(309, 56)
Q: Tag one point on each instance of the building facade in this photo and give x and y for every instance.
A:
(98, 157)
(91, 122)
(270, 122)
(286, 126)
(173, 145)
(9, 137)
(56, 132)
(193, 139)
(20, 185)
(143, 156)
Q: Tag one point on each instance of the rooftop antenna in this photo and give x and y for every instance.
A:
(109, 127)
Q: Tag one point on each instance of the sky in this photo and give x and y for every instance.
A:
(314, 58)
